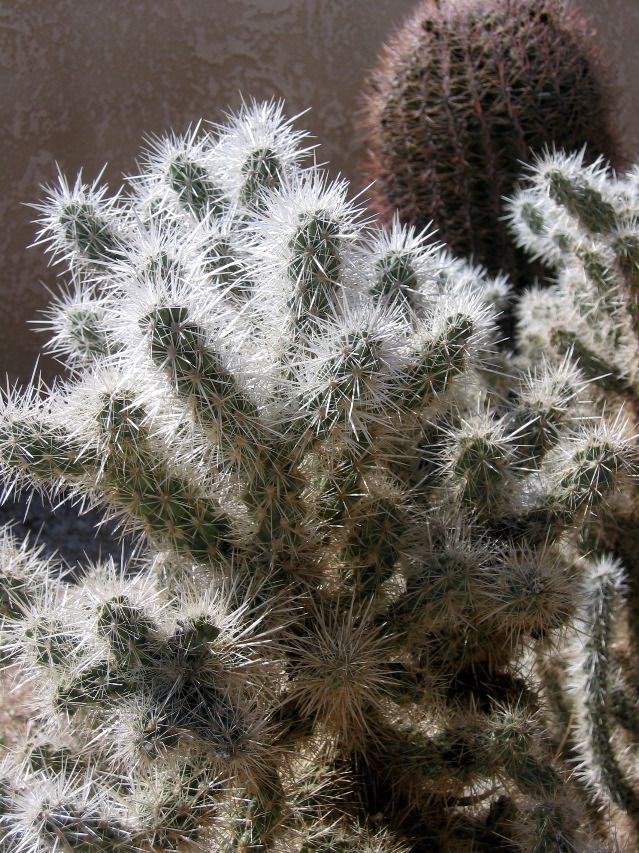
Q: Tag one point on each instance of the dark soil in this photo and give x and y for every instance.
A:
(78, 537)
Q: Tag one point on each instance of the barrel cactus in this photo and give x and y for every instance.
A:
(461, 96)
(356, 527)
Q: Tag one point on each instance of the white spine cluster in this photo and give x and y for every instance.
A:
(582, 221)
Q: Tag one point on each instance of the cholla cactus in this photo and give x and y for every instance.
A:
(352, 534)
(462, 94)
(582, 220)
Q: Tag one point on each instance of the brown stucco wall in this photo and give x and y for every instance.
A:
(84, 80)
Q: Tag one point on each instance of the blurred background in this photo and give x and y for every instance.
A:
(85, 80)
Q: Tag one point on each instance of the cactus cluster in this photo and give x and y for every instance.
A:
(461, 97)
(582, 220)
(356, 525)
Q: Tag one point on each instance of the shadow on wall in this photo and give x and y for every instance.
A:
(83, 84)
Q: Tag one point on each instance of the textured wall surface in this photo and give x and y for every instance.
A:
(85, 80)
(616, 23)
